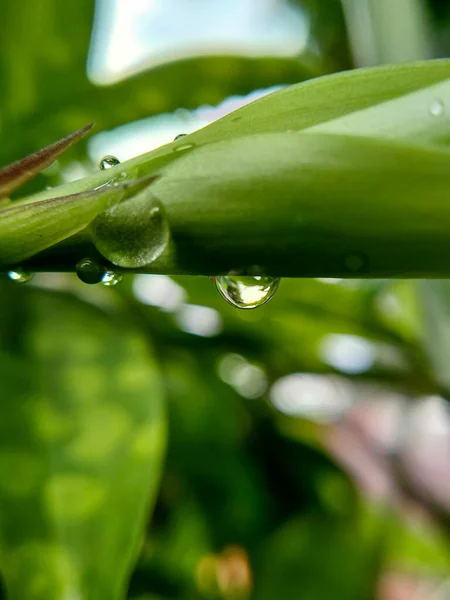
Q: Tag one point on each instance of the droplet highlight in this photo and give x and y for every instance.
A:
(109, 161)
(437, 108)
(89, 271)
(179, 136)
(20, 276)
(111, 278)
(246, 292)
(132, 234)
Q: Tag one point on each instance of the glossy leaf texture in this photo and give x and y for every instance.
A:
(82, 440)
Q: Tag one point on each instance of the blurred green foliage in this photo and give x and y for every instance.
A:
(252, 502)
(82, 437)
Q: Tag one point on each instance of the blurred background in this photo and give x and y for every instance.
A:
(308, 441)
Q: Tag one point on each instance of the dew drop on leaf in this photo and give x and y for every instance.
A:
(20, 276)
(437, 108)
(111, 278)
(109, 161)
(179, 136)
(90, 271)
(246, 291)
(132, 234)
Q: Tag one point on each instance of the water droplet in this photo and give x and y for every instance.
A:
(111, 278)
(437, 108)
(246, 291)
(20, 276)
(132, 234)
(89, 271)
(179, 136)
(354, 262)
(109, 161)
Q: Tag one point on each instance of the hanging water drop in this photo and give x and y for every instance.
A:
(111, 278)
(109, 161)
(437, 108)
(20, 276)
(90, 271)
(179, 136)
(246, 291)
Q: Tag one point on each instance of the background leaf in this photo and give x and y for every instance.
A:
(82, 438)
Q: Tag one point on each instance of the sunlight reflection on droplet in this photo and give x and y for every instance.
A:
(347, 353)
(160, 291)
(199, 320)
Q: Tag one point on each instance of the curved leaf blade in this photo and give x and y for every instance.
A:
(308, 205)
(296, 108)
(28, 229)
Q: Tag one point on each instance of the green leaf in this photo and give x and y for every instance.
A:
(227, 193)
(329, 198)
(308, 105)
(82, 438)
(17, 174)
(228, 203)
(321, 100)
(28, 229)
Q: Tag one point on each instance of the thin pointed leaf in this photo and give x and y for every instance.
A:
(13, 176)
(27, 229)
